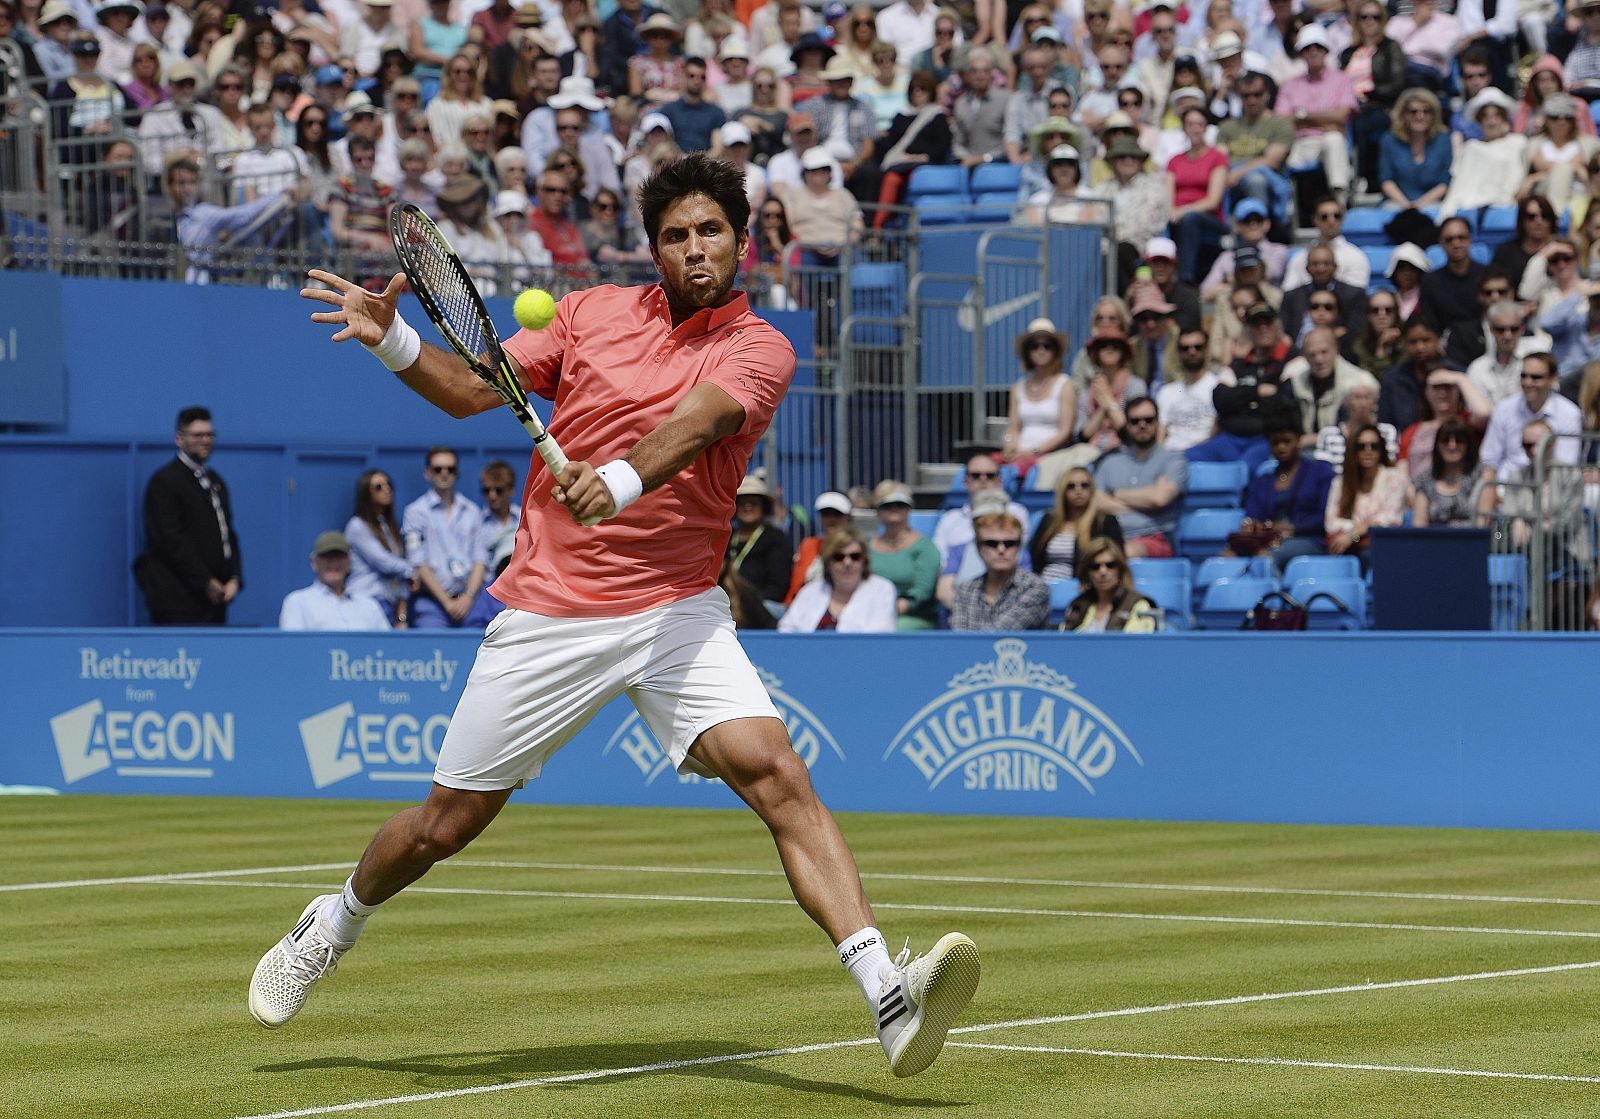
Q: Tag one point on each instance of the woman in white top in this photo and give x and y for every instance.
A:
(848, 598)
(1558, 154)
(1044, 403)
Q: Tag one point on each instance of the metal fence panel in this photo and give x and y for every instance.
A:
(1545, 544)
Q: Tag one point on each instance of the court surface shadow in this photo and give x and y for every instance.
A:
(466, 1068)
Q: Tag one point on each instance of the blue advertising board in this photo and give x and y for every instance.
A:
(1483, 731)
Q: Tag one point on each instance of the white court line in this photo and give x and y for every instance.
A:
(995, 910)
(1279, 1062)
(189, 876)
(698, 1062)
(1072, 883)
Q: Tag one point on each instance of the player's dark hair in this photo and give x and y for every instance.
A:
(696, 173)
(192, 413)
(441, 449)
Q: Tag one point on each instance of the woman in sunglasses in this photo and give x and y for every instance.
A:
(1370, 492)
(1043, 404)
(1067, 529)
(1442, 490)
(1109, 602)
(847, 597)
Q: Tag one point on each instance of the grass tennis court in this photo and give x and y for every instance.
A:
(625, 959)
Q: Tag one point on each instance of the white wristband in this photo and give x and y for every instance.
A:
(400, 346)
(623, 481)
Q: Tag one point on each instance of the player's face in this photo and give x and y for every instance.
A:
(697, 251)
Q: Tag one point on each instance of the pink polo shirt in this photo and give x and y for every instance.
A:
(1333, 91)
(616, 369)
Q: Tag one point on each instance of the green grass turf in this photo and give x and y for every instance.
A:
(128, 1000)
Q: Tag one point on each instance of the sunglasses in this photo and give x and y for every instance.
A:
(229, 87)
(441, 470)
(1380, 310)
(1321, 306)
(983, 475)
(849, 557)
(1368, 446)
(1513, 330)
(1000, 545)
(495, 491)
(602, 205)
(1079, 485)
(1496, 293)
(554, 190)
(1191, 348)
(1562, 258)
(1042, 346)
(1105, 565)
(1445, 440)
(1140, 420)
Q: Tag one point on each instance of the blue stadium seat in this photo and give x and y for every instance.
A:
(1227, 601)
(877, 291)
(1508, 590)
(943, 209)
(946, 181)
(1215, 568)
(1323, 613)
(992, 178)
(1035, 501)
(924, 521)
(1365, 227)
(1497, 224)
(1204, 532)
(1062, 592)
(1173, 598)
(1215, 485)
(1146, 570)
(1378, 258)
(1322, 567)
(996, 206)
(1031, 481)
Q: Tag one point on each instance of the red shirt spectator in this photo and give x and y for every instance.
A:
(549, 220)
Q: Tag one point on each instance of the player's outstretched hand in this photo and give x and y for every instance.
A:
(363, 315)
(584, 493)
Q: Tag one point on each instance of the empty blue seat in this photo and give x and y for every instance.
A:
(1322, 567)
(1508, 591)
(1062, 592)
(1227, 601)
(1204, 532)
(1378, 257)
(937, 179)
(877, 291)
(924, 521)
(1172, 597)
(1366, 226)
(996, 206)
(1497, 224)
(996, 177)
(1215, 485)
(1322, 612)
(1146, 570)
(943, 209)
(1233, 567)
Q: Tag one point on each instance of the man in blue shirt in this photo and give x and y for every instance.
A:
(326, 604)
(1142, 483)
(694, 119)
(444, 539)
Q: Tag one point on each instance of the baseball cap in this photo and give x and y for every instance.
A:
(1064, 153)
(182, 71)
(84, 43)
(1311, 35)
(1161, 248)
(1246, 256)
(734, 46)
(734, 133)
(816, 159)
(833, 501)
(1260, 312)
(330, 74)
(329, 543)
(1225, 44)
(510, 202)
(1046, 34)
(892, 493)
(834, 10)
(990, 501)
(1249, 207)
(797, 121)
(358, 104)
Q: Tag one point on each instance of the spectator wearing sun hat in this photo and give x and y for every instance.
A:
(1488, 172)
(57, 22)
(114, 21)
(733, 144)
(620, 41)
(733, 94)
(906, 558)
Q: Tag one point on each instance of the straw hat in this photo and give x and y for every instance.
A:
(1040, 328)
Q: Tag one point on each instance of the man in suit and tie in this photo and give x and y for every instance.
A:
(190, 569)
(1320, 267)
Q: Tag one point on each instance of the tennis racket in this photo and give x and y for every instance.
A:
(447, 293)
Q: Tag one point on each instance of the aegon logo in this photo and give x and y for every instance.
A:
(141, 743)
(390, 747)
(806, 731)
(1008, 725)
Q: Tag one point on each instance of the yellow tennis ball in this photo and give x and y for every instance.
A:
(534, 309)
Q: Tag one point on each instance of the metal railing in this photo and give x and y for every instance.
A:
(1544, 545)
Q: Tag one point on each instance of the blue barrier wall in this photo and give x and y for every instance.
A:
(1486, 731)
(297, 417)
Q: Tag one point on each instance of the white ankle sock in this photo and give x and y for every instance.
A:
(862, 954)
(344, 915)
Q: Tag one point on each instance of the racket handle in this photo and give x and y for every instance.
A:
(556, 459)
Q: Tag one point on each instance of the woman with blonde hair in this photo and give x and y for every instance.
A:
(855, 46)
(1109, 602)
(1072, 522)
(848, 598)
(1376, 67)
(1109, 316)
(460, 95)
(1414, 156)
(144, 88)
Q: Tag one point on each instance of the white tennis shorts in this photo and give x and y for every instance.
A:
(538, 680)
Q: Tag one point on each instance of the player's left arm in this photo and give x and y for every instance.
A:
(706, 414)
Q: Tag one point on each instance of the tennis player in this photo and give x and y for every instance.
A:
(668, 388)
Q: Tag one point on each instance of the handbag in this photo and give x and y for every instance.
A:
(1251, 543)
(1289, 615)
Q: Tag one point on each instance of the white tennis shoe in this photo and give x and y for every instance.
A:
(289, 970)
(919, 1001)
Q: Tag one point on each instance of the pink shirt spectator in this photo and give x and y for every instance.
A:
(1330, 92)
(1384, 504)
(1191, 177)
(1433, 44)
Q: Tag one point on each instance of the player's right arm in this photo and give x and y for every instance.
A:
(438, 375)
(707, 413)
